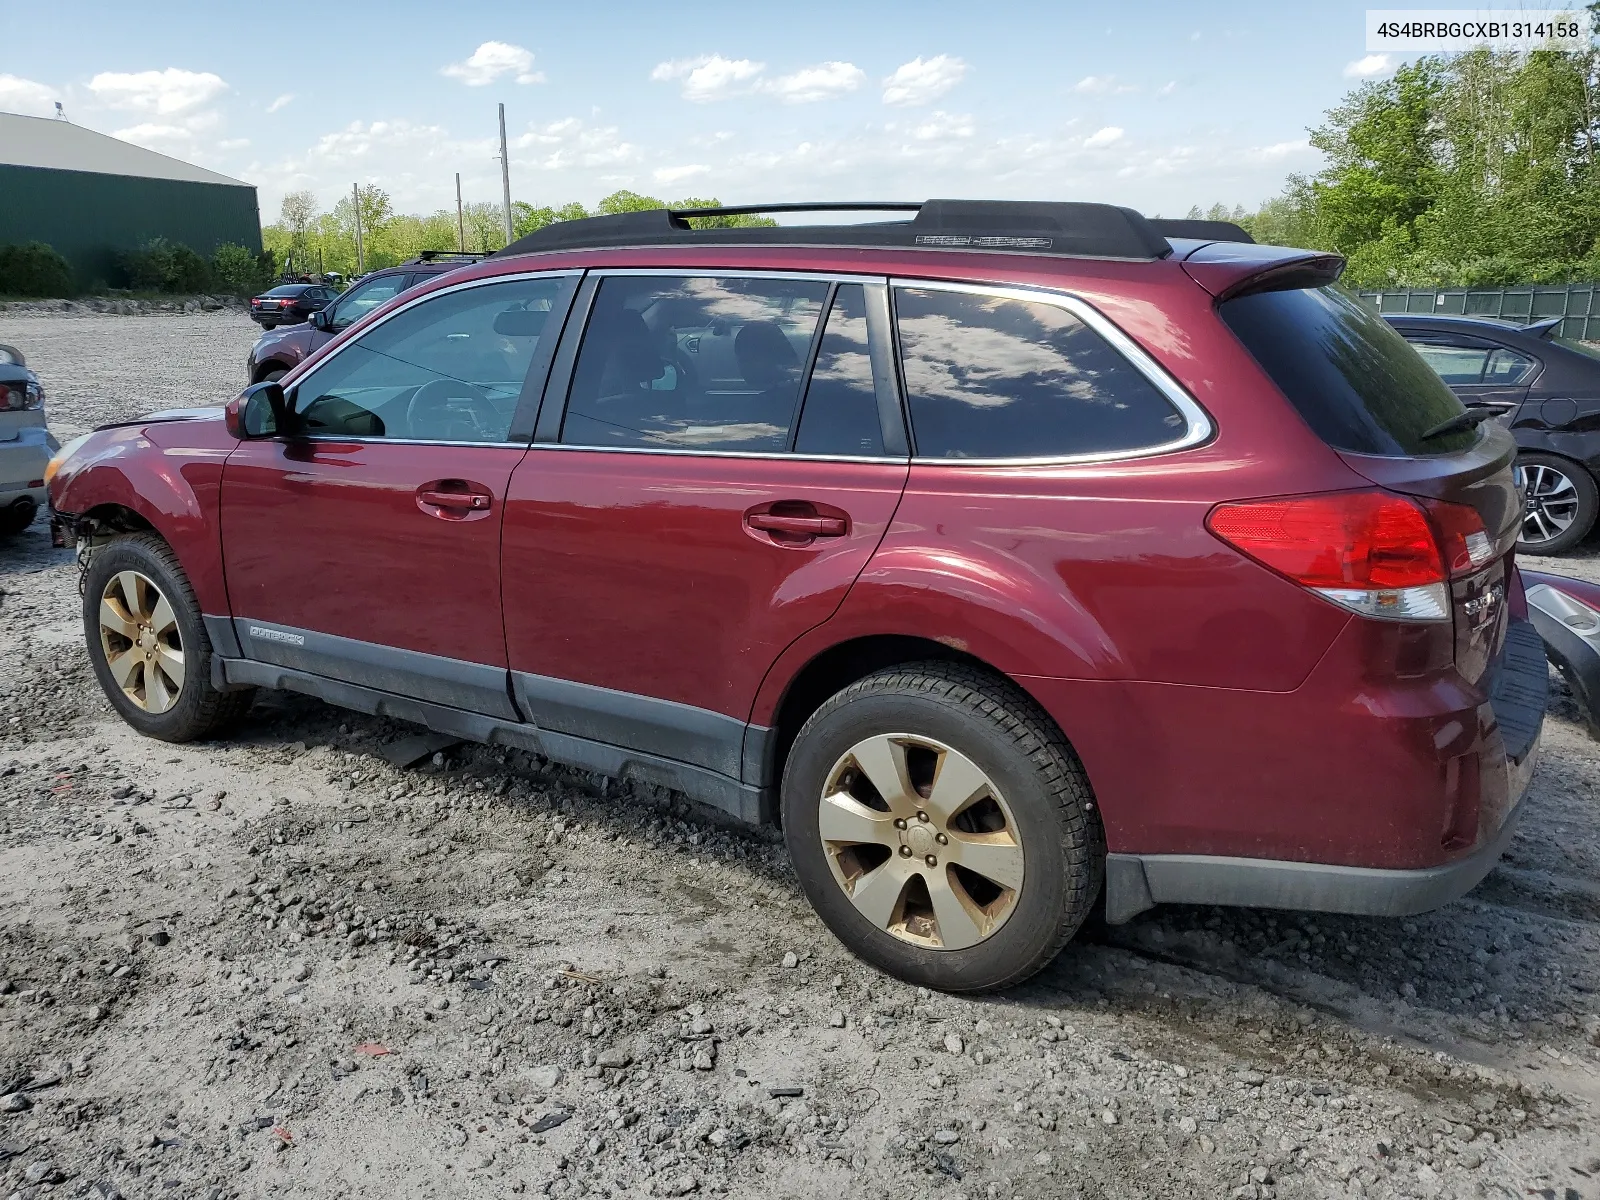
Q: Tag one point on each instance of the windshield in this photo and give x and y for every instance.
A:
(1355, 380)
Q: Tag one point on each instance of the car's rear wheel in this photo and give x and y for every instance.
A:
(17, 516)
(148, 644)
(942, 828)
(1560, 503)
(272, 376)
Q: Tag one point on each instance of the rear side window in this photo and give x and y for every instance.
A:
(994, 377)
(1358, 384)
(693, 362)
(841, 408)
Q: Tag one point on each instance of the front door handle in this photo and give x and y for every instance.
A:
(454, 499)
(467, 500)
(818, 526)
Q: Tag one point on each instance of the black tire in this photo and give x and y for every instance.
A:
(1582, 501)
(17, 516)
(199, 710)
(273, 375)
(1016, 746)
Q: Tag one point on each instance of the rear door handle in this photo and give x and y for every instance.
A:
(800, 526)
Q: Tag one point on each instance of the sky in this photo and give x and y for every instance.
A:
(1158, 106)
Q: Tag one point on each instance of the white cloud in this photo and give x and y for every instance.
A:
(922, 81)
(572, 144)
(821, 82)
(941, 125)
(709, 77)
(161, 93)
(24, 96)
(1166, 89)
(281, 102)
(490, 61)
(1370, 67)
(233, 144)
(359, 140)
(1094, 84)
(1279, 150)
(679, 174)
(1102, 137)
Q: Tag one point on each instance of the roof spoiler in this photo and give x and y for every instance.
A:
(1544, 328)
(1201, 231)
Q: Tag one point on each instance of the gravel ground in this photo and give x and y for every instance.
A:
(276, 965)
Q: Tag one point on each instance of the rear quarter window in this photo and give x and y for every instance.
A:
(1359, 385)
(991, 376)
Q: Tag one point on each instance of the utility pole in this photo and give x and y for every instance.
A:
(505, 173)
(461, 227)
(361, 255)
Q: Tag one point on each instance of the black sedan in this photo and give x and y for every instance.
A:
(1548, 389)
(290, 304)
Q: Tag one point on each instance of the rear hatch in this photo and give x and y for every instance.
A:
(1368, 394)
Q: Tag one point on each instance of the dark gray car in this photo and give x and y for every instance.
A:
(1547, 389)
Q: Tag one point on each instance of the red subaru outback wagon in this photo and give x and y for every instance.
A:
(1017, 557)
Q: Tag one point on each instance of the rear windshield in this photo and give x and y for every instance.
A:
(292, 290)
(1358, 383)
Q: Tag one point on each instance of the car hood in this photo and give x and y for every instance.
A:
(168, 414)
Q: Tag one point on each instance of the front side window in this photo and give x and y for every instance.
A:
(693, 362)
(364, 297)
(450, 369)
(994, 377)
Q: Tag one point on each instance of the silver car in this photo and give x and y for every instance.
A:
(25, 443)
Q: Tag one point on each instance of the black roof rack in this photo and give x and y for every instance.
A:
(1080, 230)
(1203, 231)
(430, 256)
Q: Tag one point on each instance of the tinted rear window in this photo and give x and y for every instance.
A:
(994, 377)
(293, 290)
(1353, 378)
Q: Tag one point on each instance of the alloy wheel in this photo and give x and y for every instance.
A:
(921, 840)
(140, 639)
(1550, 504)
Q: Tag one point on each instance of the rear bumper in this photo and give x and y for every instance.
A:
(1137, 882)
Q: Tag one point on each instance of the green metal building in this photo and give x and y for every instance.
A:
(90, 195)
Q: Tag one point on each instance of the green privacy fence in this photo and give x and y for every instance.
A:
(1578, 304)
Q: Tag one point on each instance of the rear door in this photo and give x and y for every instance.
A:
(694, 508)
(364, 544)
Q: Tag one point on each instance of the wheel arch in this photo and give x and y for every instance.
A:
(836, 667)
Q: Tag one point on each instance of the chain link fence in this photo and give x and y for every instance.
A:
(1577, 304)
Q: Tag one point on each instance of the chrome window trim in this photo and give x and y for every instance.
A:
(682, 453)
(1198, 425)
(385, 441)
(464, 285)
(720, 272)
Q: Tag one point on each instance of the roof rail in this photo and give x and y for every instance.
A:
(428, 256)
(1073, 229)
(1203, 231)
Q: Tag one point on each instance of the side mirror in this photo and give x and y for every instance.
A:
(322, 319)
(259, 411)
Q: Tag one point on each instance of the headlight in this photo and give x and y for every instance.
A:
(61, 456)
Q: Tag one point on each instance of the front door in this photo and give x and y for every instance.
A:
(695, 517)
(364, 543)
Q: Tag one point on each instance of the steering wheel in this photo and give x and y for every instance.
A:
(452, 409)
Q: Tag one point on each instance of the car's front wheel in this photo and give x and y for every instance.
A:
(148, 644)
(1560, 503)
(942, 828)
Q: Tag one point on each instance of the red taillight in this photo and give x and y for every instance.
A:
(255, 302)
(1462, 537)
(1342, 540)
